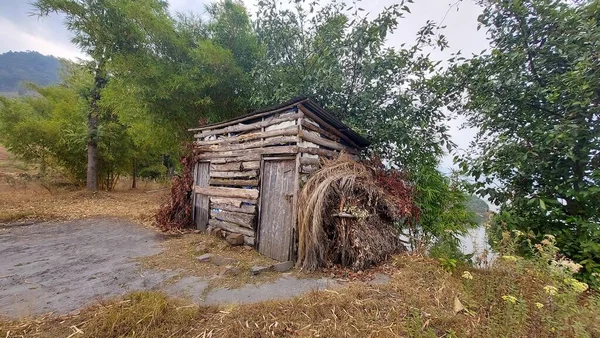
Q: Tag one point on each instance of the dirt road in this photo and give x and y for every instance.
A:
(61, 267)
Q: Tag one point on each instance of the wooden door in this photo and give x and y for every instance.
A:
(276, 209)
(201, 202)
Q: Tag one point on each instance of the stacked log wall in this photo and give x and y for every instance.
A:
(235, 152)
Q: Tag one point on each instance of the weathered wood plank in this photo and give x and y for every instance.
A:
(319, 151)
(234, 174)
(246, 209)
(231, 227)
(326, 143)
(251, 165)
(290, 131)
(328, 127)
(233, 183)
(273, 141)
(245, 220)
(242, 119)
(218, 160)
(276, 209)
(250, 194)
(248, 152)
(232, 201)
(226, 167)
(201, 201)
(310, 161)
(252, 126)
(312, 127)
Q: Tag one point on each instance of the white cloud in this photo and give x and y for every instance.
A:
(16, 39)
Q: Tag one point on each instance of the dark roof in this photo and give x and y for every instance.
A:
(316, 109)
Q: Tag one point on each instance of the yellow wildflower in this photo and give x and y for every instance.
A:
(467, 275)
(551, 290)
(510, 299)
(576, 285)
(517, 233)
(510, 258)
(539, 305)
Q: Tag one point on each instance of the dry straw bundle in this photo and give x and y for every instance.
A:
(345, 218)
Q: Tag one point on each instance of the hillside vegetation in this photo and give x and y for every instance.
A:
(17, 68)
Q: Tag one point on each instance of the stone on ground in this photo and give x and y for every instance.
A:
(205, 258)
(283, 266)
(220, 260)
(257, 269)
(235, 239)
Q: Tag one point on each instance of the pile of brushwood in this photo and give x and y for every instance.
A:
(348, 213)
(176, 213)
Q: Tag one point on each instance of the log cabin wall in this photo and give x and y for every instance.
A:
(233, 152)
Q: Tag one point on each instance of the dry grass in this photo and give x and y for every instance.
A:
(24, 197)
(181, 252)
(32, 201)
(417, 302)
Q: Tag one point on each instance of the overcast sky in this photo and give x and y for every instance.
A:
(23, 31)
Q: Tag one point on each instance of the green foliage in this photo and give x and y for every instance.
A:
(33, 67)
(337, 55)
(443, 217)
(535, 98)
(448, 264)
(48, 129)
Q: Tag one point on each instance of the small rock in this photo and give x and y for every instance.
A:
(197, 231)
(255, 270)
(235, 239)
(283, 266)
(248, 248)
(249, 240)
(220, 260)
(205, 258)
(229, 270)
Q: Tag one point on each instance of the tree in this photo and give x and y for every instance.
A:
(535, 98)
(49, 129)
(105, 29)
(338, 56)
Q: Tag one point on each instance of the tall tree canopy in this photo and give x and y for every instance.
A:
(338, 56)
(536, 101)
(105, 30)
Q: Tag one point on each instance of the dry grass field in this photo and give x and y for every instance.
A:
(422, 299)
(419, 301)
(25, 198)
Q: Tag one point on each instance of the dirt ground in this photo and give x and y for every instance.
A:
(61, 267)
(64, 266)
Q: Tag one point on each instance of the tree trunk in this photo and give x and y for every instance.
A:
(93, 116)
(134, 174)
(92, 153)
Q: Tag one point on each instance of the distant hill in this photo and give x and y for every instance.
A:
(18, 67)
(479, 207)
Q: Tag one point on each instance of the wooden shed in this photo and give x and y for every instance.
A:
(250, 169)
